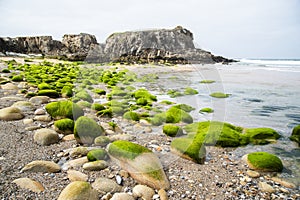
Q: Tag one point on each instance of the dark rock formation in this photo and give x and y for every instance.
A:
(160, 46)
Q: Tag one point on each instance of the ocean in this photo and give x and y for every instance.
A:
(263, 93)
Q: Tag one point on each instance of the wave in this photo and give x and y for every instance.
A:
(272, 62)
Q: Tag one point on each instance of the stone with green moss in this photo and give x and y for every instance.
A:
(263, 161)
(142, 164)
(142, 101)
(143, 93)
(78, 190)
(97, 154)
(172, 130)
(296, 134)
(17, 78)
(130, 115)
(44, 86)
(102, 141)
(175, 115)
(174, 93)
(189, 148)
(66, 91)
(167, 102)
(98, 107)
(5, 70)
(64, 109)
(219, 95)
(185, 107)
(190, 91)
(84, 104)
(261, 135)
(48, 93)
(84, 95)
(206, 110)
(207, 81)
(99, 91)
(86, 130)
(105, 113)
(64, 126)
(117, 110)
(158, 119)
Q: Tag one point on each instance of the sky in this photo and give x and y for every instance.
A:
(231, 28)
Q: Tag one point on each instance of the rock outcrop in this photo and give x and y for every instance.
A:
(159, 46)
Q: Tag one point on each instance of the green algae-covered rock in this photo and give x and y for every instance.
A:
(296, 134)
(143, 93)
(86, 130)
(189, 148)
(44, 86)
(218, 133)
(263, 161)
(117, 110)
(17, 78)
(174, 93)
(78, 190)
(48, 93)
(64, 109)
(105, 113)
(172, 130)
(84, 104)
(99, 91)
(140, 162)
(66, 91)
(206, 110)
(219, 95)
(261, 135)
(64, 126)
(185, 107)
(96, 154)
(131, 116)
(190, 91)
(207, 81)
(175, 115)
(158, 119)
(84, 95)
(102, 141)
(97, 107)
(126, 149)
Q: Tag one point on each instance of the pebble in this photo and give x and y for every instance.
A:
(39, 111)
(253, 174)
(74, 163)
(78, 190)
(265, 187)
(74, 175)
(124, 173)
(79, 152)
(95, 165)
(163, 194)
(42, 118)
(41, 166)
(119, 179)
(283, 183)
(68, 137)
(45, 136)
(142, 191)
(122, 196)
(105, 185)
(27, 121)
(32, 128)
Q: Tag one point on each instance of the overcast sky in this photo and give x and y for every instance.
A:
(232, 28)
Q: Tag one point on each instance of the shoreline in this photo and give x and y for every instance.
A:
(220, 177)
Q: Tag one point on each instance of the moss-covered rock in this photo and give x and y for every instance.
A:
(189, 148)
(263, 161)
(17, 78)
(84, 95)
(140, 162)
(142, 102)
(98, 107)
(64, 126)
(174, 93)
(97, 154)
(86, 130)
(172, 130)
(84, 104)
(261, 135)
(44, 86)
(102, 141)
(126, 149)
(296, 134)
(185, 107)
(117, 110)
(207, 81)
(105, 113)
(158, 119)
(175, 115)
(190, 91)
(64, 109)
(219, 95)
(206, 110)
(217, 133)
(48, 93)
(130, 115)
(143, 93)
(167, 102)
(66, 91)
(99, 91)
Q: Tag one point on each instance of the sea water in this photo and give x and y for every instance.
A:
(263, 93)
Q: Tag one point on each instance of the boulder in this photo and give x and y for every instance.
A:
(78, 190)
(64, 126)
(38, 100)
(24, 106)
(142, 191)
(11, 113)
(9, 86)
(45, 137)
(140, 162)
(64, 109)
(74, 175)
(296, 134)
(41, 166)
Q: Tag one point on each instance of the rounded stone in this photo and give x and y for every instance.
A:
(78, 190)
(95, 165)
(27, 183)
(45, 136)
(41, 166)
(74, 175)
(122, 196)
(105, 185)
(142, 191)
(11, 113)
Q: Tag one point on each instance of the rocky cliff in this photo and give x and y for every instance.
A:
(160, 46)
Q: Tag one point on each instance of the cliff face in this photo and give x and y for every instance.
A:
(164, 45)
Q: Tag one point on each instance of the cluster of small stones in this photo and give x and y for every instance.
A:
(115, 183)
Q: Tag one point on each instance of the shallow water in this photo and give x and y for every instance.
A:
(261, 96)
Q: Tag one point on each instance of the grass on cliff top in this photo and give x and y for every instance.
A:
(126, 149)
